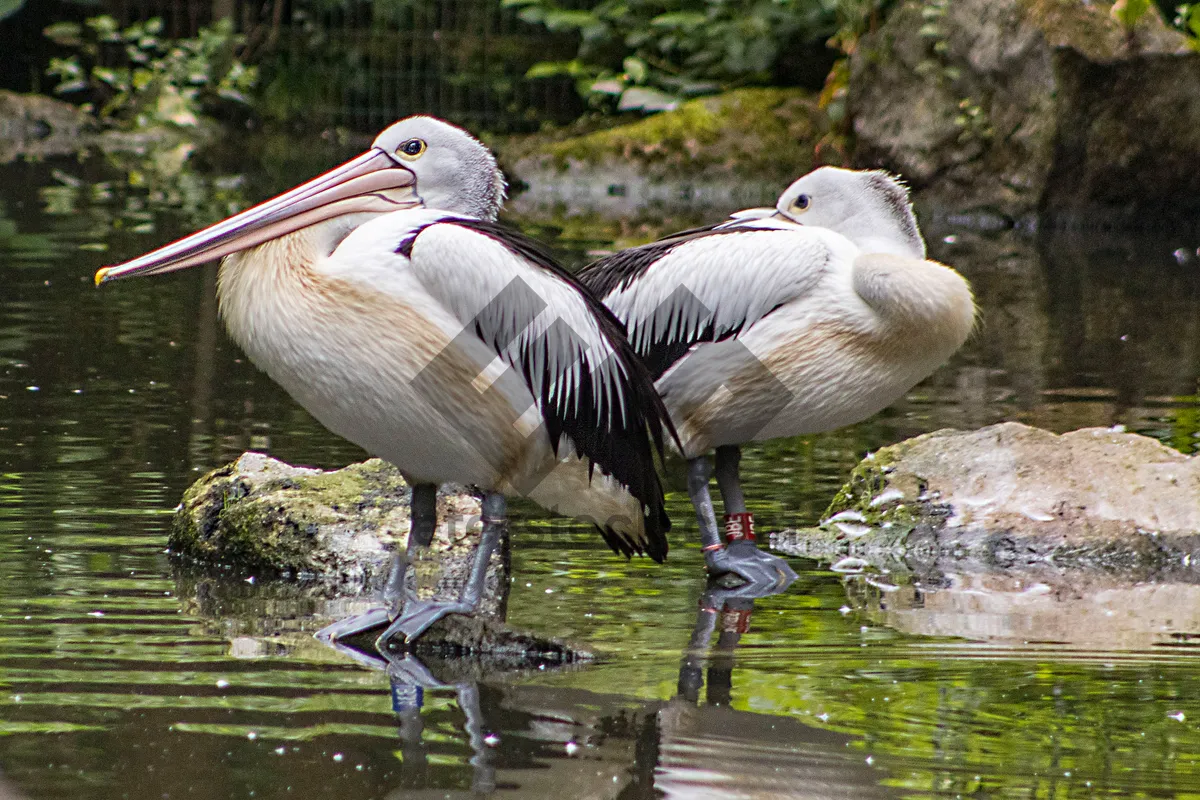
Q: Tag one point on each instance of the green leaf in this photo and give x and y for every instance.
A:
(1189, 18)
(10, 7)
(70, 86)
(548, 69)
(66, 34)
(141, 79)
(1128, 12)
(607, 86)
(642, 99)
(679, 19)
(105, 26)
(636, 69)
(570, 20)
(106, 75)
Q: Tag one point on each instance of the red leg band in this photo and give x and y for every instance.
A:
(739, 526)
(736, 621)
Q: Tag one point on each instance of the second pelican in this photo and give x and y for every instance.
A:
(798, 319)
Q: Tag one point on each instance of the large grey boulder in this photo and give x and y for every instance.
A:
(1010, 496)
(1021, 106)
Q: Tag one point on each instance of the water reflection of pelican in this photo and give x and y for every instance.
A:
(547, 742)
(798, 319)
(383, 298)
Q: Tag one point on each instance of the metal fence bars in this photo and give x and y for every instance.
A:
(364, 64)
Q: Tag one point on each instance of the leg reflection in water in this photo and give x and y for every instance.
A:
(732, 613)
(531, 738)
(409, 679)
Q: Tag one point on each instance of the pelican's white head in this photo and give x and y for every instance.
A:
(454, 171)
(868, 207)
(419, 161)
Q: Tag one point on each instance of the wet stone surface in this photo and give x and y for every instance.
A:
(1010, 495)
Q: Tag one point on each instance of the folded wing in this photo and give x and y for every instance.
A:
(569, 349)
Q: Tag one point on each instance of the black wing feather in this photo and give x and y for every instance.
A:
(615, 272)
(671, 342)
(616, 442)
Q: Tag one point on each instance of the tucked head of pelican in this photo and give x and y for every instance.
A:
(869, 207)
(418, 161)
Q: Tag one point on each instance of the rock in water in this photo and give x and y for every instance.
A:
(34, 127)
(724, 151)
(1011, 495)
(334, 531)
(1019, 106)
(260, 514)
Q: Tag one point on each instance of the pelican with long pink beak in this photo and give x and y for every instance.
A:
(386, 300)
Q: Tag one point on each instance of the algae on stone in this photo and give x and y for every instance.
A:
(749, 133)
(259, 514)
(337, 531)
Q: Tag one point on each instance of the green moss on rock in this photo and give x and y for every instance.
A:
(752, 133)
(260, 514)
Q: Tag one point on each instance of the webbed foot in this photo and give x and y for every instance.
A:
(416, 617)
(764, 574)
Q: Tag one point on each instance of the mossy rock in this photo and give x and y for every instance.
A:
(335, 532)
(1012, 495)
(261, 515)
(765, 134)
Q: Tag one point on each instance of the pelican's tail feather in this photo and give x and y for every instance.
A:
(575, 489)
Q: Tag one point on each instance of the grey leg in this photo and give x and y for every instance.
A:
(419, 614)
(764, 574)
(729, 457)
(423, 509)
(699, 471)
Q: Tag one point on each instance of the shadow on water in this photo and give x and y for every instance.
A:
(120, 679)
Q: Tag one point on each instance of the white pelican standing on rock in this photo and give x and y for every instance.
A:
(799, 319)
(385, 300)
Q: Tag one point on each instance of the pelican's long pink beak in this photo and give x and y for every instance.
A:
(371, 182)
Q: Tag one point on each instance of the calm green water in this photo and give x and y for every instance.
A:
(121, 678)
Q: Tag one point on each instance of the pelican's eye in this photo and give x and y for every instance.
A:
(411, 149)
(801, 203)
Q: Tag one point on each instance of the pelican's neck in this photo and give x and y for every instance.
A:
(892, 245)
(257, 278)
(265, 284)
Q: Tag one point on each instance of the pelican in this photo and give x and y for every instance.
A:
(790, 320)
(385, 299)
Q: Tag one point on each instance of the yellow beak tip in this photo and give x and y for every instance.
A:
(101, 274)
